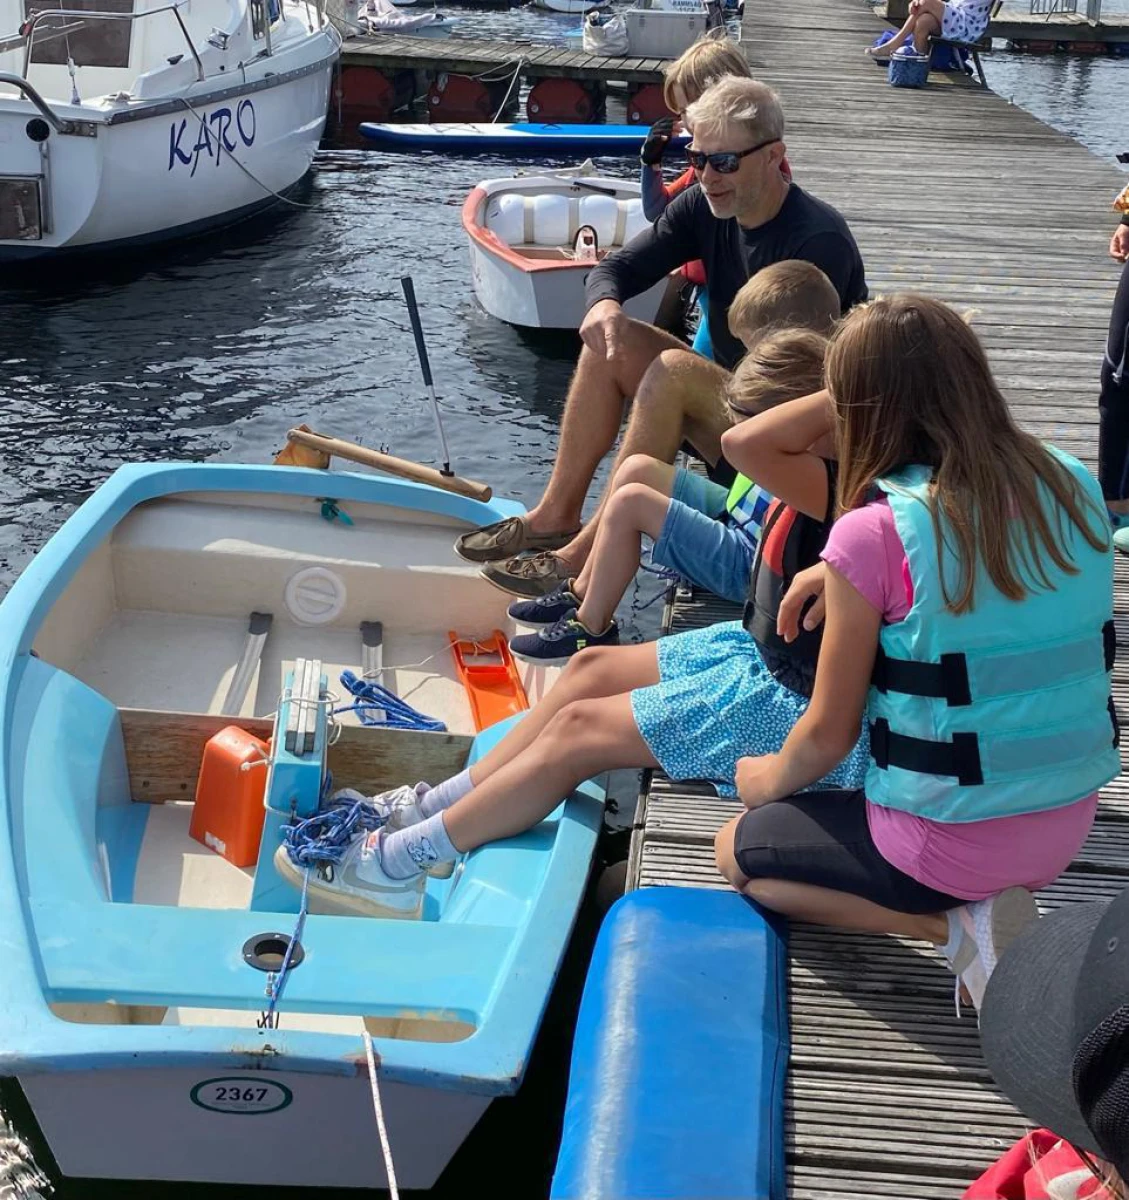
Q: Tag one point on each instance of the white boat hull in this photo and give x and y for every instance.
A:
(152, 1124)
(146, 171)
(543, 299)
(522, 235)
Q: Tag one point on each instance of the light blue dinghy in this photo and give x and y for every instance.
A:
(143, 1005)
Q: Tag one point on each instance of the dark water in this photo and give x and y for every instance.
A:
(215, 348)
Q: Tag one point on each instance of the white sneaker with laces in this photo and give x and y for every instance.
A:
(400, 806)
(358, 884)
(987, 928)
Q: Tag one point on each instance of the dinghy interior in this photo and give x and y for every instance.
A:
(181, 600)
(538, 218)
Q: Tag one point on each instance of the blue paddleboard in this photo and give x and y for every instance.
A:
(517, 138)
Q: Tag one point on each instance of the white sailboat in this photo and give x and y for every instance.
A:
(143, 121)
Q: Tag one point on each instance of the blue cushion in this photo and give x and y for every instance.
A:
(677, 1082)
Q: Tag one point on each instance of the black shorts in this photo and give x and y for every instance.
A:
(823, 838)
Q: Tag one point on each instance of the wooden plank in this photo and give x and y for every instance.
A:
(163, 752)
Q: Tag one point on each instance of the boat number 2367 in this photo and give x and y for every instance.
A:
(215, 136)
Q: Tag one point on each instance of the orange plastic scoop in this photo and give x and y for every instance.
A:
(493, 687)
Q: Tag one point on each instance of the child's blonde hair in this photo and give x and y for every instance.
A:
(792, 294)
(709, 59)
(784, 365)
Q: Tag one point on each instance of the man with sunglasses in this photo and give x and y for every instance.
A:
(742, 216)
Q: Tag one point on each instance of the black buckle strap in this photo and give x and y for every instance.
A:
(945, 680)
(1109, 642)
(960, 757)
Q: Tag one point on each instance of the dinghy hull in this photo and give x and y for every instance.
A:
(534, 281)
(135, 981)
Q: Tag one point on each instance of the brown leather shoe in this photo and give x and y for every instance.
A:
(529, 575)
(504, 539)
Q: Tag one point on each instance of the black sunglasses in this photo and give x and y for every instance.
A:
(726, 161)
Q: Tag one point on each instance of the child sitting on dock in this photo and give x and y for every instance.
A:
(707, 535)
(691, 705)
(682, 510)
(953, 20)
(969, 606)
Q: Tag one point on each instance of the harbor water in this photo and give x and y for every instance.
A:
(212, 350)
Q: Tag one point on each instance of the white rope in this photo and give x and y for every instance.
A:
(246, 171)
(389, 1169)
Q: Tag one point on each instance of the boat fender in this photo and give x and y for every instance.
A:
(602, 213)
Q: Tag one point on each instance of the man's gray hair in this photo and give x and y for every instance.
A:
(733, 105)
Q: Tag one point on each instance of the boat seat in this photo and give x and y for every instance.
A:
(680, 1054)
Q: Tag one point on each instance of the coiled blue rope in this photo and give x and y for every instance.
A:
(326, 835)
(372, 698)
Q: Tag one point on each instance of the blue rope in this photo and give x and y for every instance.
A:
(373, 698)
(269, 1019)
(326, 835)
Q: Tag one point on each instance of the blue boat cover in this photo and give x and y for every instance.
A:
(677, 1083)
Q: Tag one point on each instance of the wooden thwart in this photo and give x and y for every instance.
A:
(163, 751)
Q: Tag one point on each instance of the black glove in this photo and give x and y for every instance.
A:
(657, 141)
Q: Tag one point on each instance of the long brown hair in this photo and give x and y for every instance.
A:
(911, 384)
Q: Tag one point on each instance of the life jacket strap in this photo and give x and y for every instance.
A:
(945, 680)
(949, 678)
(959, 758)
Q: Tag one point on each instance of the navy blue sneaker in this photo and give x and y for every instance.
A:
(560, 641)
(546, 610)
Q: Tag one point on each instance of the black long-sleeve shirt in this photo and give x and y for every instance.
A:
(804, 228)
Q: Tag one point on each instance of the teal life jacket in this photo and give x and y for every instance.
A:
(1005, 709)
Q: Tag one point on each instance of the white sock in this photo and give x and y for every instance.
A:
(409, 851)
(444, 794)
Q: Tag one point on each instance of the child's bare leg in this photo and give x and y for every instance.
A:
(823, 906)
(636, 468)
(585, 738)
(600, 671)
(634, 510)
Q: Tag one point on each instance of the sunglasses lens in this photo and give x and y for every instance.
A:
(725, 164)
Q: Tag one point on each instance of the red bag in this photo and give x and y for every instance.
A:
(1034, 1165)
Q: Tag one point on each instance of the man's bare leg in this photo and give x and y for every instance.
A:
(592, 418)
(679, 398)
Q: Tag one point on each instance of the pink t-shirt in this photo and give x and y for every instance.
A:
(972, 859)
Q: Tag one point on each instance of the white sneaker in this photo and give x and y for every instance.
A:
(399, 808)
(357, 884)
(987, 928)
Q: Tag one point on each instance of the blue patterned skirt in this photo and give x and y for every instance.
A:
(716, 702)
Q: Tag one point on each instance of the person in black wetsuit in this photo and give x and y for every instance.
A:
(741, 216)
(1113, 407)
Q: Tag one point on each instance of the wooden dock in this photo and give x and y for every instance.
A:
(955, 193)
(459, 56)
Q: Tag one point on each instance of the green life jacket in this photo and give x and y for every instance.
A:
(746, 507)
(1005, 709)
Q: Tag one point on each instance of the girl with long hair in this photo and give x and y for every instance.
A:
(968, 591)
